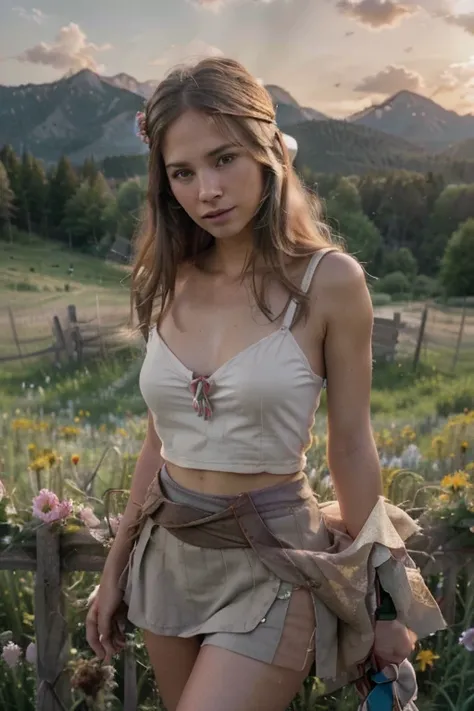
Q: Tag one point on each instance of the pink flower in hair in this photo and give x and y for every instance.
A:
(141, 127)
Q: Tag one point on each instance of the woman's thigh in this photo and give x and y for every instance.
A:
(172, 659)
(222, 680)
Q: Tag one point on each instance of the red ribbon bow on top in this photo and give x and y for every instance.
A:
(200, 388)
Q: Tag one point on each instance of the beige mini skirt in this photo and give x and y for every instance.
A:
(226, 596)
(273, 575)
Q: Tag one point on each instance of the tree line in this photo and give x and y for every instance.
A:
(414, 232)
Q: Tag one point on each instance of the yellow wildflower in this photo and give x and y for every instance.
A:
(121, 432)
(40, 463)
(464, 447)
(426, 658)
(51, 456)
(32, 447)
(22, 423)
(458, 480)
(444, 498)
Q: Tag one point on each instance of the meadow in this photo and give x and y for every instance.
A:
(77, 430)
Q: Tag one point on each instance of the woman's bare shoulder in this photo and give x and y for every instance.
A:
(340, 283)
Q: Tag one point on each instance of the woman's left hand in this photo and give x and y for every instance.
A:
(393, 642)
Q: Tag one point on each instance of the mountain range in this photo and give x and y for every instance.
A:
(86, 114)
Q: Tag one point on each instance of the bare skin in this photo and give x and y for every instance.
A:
(213, 318)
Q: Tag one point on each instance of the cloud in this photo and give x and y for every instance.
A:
(70, 51)
(390, 81)
(33, 15)
(458, 77)
(190, 52)
(376, 14)
(465, 22)
(216, 5)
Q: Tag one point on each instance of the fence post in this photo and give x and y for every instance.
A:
(130, 691)
(51, 625)
(103, 352)
(421, 335)
(460, 335)
(14, 331)
(59, 341)
(75, 333)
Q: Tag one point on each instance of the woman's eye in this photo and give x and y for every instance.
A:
(225, 160)
(181, 174)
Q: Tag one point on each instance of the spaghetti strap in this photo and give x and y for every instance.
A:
(305, 284)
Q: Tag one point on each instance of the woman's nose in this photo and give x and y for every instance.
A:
(209, 188)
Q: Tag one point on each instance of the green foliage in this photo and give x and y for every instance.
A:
(425, 287)
(457, 271)
(394, 284)
(6, 201)
(84, 218)
(400, 260)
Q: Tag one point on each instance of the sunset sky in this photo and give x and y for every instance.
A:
(337, 56)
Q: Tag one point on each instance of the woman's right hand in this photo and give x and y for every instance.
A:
(105, 621)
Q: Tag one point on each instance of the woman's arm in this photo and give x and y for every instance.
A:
(352, 454)
(148, 463)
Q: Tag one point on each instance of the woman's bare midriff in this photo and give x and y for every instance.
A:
(225, 483)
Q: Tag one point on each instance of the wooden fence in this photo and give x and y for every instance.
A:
(53, 554)
(70, 339)
(75, 340)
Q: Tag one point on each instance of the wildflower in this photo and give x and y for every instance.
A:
(92, 678)
(426, 658)
(75, 459)
(458, 480)
(467, 638)
(39, 464)
(66, 508)
(444, 498)
(30, 654)
(46, 506)
(52, 457)
(88, 517)
(464, 447)
(411, 457)
(11, 654)
(32, 447)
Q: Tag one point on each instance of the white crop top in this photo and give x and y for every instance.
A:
(253, 414)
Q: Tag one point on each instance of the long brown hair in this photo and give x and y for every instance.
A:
(288, 221)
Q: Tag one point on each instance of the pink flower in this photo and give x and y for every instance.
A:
(11, 654)
(30, 654)
(65, 508)
(46, 506)
(88, 517)
(114, 523)
(467, 639)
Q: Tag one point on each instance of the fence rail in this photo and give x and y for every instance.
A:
(68, 338)
(423, 333)
(52, 554)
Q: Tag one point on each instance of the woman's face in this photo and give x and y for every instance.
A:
(218, 183)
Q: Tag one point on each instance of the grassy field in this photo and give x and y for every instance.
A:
(36, 284)
(59, 425)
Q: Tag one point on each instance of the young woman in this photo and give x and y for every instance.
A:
(241, 583)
